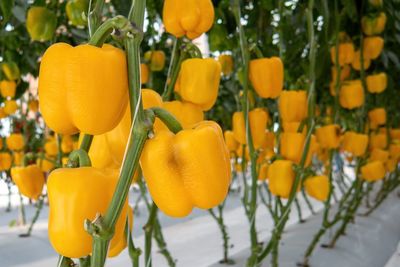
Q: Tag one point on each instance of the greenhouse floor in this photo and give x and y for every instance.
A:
(195, 241)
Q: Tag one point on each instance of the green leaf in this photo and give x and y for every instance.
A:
(6, 7)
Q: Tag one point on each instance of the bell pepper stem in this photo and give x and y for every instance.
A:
(94, 16)
(170, 83)
(134, 252)
(168, 119)
(65, 262)
(86, 142)
(119, 23)
(78, 158)
(35, 217)
(172, 65)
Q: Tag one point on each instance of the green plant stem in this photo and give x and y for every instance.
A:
(173, 77)
(65, 262)
(253, 157)
(35, 217)
(134, 252)
(168, 119)
(84, 262)
(139, 132)
(296, 201)
(148, 232)
(59, 151)
(22, 209)
(8, 209)
(86, 142)
(94, 16)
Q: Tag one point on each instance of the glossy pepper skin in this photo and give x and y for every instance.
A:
(188, 17)
(41, 23)
(186, 113)
(11, 71)
(263, 172)
(45, 165)
(266, 76)
(281, 178)
(374, 25)
(144, 73)
(344, 73)
(199, 82)
(3, 114)
(50, 147)
(230, 141)
(29, 179)
(394, 151)
(376, 83)
(79, 194)
(293, 106)
(33, 105)
(156, 59)
(193, 169)
(87, 79)
(292, 145)
(329, 136)
(373, 171)
(356, 64)
(373, 46)
(226, 62)
(5, 161)
(355, 143)
(346, 54)
(377, 116)
(351, 95)
(15, 142)
(8, 88)
(258, 119)
(318, 187)
(77, 12)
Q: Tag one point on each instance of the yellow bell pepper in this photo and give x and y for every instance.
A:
(199, 82)
(373, 171)
(193, 168)
(74, 194)
(186, 113)
(374, 25)
(269, 141)
(239, 152)
(10, 107)
(33, 105)
(329, 136)
(378, 140)
(258, 119)
(8, 88)
(351, 95)
(44, 164)
(230, 141)
(379, 154)
(226, 62)
(144, 73)
(292, 146)
(191, 17)
(377, 116)
(395, 134)
(293, 106)
(346, 54)
(263, 172)
(41, 23)
(266, 76)
(156, 60)
(391, 165)
(5, 161)
(355, 143)
(281, 178)
(15, 142)
(356, 64)
(394, 151)
(11, 71)
(100, 153)
(3, 114)
(376, 83)
(50, 147)
(89, 83)
(317, 187)
(18, 158)
(67, 144)
(344, 73)
(29, 180)
(373, 46)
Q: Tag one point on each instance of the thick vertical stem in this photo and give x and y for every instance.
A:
(148, 232)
